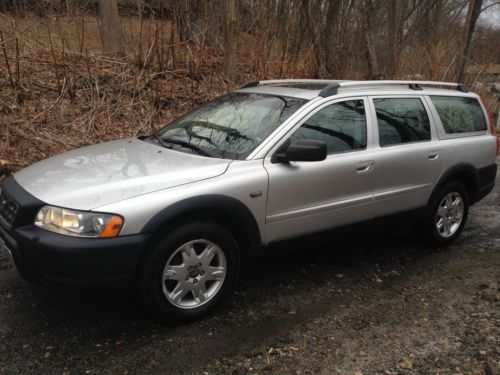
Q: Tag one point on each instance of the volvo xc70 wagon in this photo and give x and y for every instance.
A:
(176, 211)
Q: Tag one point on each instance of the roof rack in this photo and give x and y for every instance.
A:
(290, 81)
(332, 86)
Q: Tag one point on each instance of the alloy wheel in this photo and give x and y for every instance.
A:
(450, 214)
(194, 274)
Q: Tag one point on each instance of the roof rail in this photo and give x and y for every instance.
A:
(332, 86)
(413, 84)
(285, 81)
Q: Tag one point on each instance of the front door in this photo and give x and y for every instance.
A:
(305, 197)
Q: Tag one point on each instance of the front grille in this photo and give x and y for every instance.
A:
(8, 209)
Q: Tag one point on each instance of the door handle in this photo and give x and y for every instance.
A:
(365, 167)
(434, 156)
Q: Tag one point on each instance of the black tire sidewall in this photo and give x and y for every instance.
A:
(431, 232)
(150, 289)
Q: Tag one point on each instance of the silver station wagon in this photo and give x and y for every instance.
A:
(176, 212)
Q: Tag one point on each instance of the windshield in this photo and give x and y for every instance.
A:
(230, 127)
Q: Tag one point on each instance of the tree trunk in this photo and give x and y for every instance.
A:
(318, 62)
(371, 57)
(330, 35)
(394, 18)
(181, 13)
(111, 31)
(16, 10)
(438, 20)
(298, 37)
(230, 39)
(283, 17)
(473, 12)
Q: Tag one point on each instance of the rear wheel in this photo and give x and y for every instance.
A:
(447, 215)
(189, 272)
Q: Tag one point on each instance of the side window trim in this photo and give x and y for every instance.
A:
(319, 107)
(427, 108)
(441, 134)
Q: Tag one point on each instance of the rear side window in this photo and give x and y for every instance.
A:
(342, 126)
(459, 115)
(401, 120)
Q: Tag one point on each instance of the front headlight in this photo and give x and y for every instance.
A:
(78, 223)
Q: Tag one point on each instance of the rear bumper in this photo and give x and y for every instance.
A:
(40, 256)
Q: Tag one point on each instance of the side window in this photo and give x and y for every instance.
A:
(459, 115)
(342, 126)
(401, 120)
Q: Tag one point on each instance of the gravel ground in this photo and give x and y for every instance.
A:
(378, 304)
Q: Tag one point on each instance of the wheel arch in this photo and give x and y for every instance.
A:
(465, 173)
(227, 211)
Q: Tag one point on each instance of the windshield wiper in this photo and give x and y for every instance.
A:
(159, 140)
(165, 141)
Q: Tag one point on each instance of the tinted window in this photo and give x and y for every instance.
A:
(459, 115)
(229, 127)
(342, 126)
(401, 120)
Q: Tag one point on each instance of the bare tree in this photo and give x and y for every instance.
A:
(307, 11)
(473, 11)
(111, 32)
(181, 13)
(368, 11)
(330, 35)
(283, 18)
(230, 38)
(394, 30)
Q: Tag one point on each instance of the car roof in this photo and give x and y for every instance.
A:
(311, 88)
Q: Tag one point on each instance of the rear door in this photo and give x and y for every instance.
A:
(410, 159)
(305, 197)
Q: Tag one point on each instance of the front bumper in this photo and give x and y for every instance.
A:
(40, 255)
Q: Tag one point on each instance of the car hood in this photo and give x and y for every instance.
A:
(104, 173)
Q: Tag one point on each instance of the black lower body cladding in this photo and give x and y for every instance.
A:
(485, 181)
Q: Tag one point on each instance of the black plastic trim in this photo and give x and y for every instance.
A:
(415, 86)
(250, 84)
(41, 255)
(329, 90)
(28, 205)
(483, 179)
(459, 169)
(486, 176)
(21, 267)
(232, 209)
(486, 181)
(461, 87)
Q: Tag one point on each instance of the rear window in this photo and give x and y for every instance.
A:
(460, 115)
(401, 120)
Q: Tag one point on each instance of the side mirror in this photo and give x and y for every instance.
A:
(303, 150)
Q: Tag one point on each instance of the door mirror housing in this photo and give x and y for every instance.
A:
(303, 150)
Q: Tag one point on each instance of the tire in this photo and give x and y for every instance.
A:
(444, 222)
(204, 279)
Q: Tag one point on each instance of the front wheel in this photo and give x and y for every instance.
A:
(189, 272)
(447, 215)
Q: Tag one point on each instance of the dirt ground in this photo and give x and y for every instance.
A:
(376, 304)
